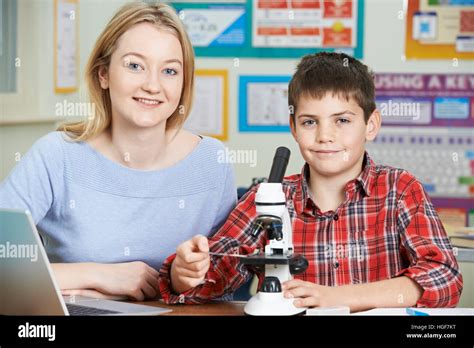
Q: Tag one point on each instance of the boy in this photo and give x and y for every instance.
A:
(369, 232)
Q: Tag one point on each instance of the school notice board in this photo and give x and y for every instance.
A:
(274, 28)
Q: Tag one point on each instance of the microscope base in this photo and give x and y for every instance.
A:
(271, 303)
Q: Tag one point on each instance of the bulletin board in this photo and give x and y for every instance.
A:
(210, 111)
(437, 29)
(274, 28)
(66, 46)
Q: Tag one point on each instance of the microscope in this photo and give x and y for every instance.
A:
(278, 262)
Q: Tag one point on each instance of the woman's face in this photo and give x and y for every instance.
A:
(145, 76)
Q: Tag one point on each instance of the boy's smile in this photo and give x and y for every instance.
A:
(331, 134)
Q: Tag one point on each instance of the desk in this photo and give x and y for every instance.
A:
(234, 308)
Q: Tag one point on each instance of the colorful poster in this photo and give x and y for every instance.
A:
(440, 29)
(427, 129)
(214, 25)
(263, 104)
(304, 23)
(441, 100)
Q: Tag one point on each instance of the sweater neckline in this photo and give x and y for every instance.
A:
(189, 157)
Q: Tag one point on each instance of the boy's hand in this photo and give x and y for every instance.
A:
(307, 294)
(191, 264)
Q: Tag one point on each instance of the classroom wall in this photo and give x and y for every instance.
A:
(383, 52)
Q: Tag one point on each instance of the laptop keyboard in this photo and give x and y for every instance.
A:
(82, 310)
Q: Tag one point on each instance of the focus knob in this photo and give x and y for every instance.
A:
(271, 284)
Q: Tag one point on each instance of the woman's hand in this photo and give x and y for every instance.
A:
(135, 280)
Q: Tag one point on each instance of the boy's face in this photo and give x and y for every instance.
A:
(331, 134)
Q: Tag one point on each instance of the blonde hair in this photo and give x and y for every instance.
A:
(163, 16)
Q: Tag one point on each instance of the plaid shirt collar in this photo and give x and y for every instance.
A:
(355, 189)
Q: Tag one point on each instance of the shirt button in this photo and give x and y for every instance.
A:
(335, 217)
(336, 265)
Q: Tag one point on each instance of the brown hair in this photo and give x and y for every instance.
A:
(164, 17)
(336, 73)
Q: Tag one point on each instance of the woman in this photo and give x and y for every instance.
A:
(115, 194)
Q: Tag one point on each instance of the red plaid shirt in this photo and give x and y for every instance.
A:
(386, 227)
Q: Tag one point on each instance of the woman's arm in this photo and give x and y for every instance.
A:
(76, 275)
(36, 181)
(136, 279)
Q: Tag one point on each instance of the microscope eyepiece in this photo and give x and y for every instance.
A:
(280, 162)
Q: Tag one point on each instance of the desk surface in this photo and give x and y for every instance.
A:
(217, 308)
(236, 308)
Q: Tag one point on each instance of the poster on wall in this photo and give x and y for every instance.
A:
(65, 46)
(440, 29)
(209, 114)
(215, 29)
(439, 100)
(427, 129)
(263, 103)
(213, 25)
(303, 23)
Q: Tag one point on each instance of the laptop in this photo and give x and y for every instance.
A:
(27, 284)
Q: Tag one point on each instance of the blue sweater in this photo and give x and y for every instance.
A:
(90, 209)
